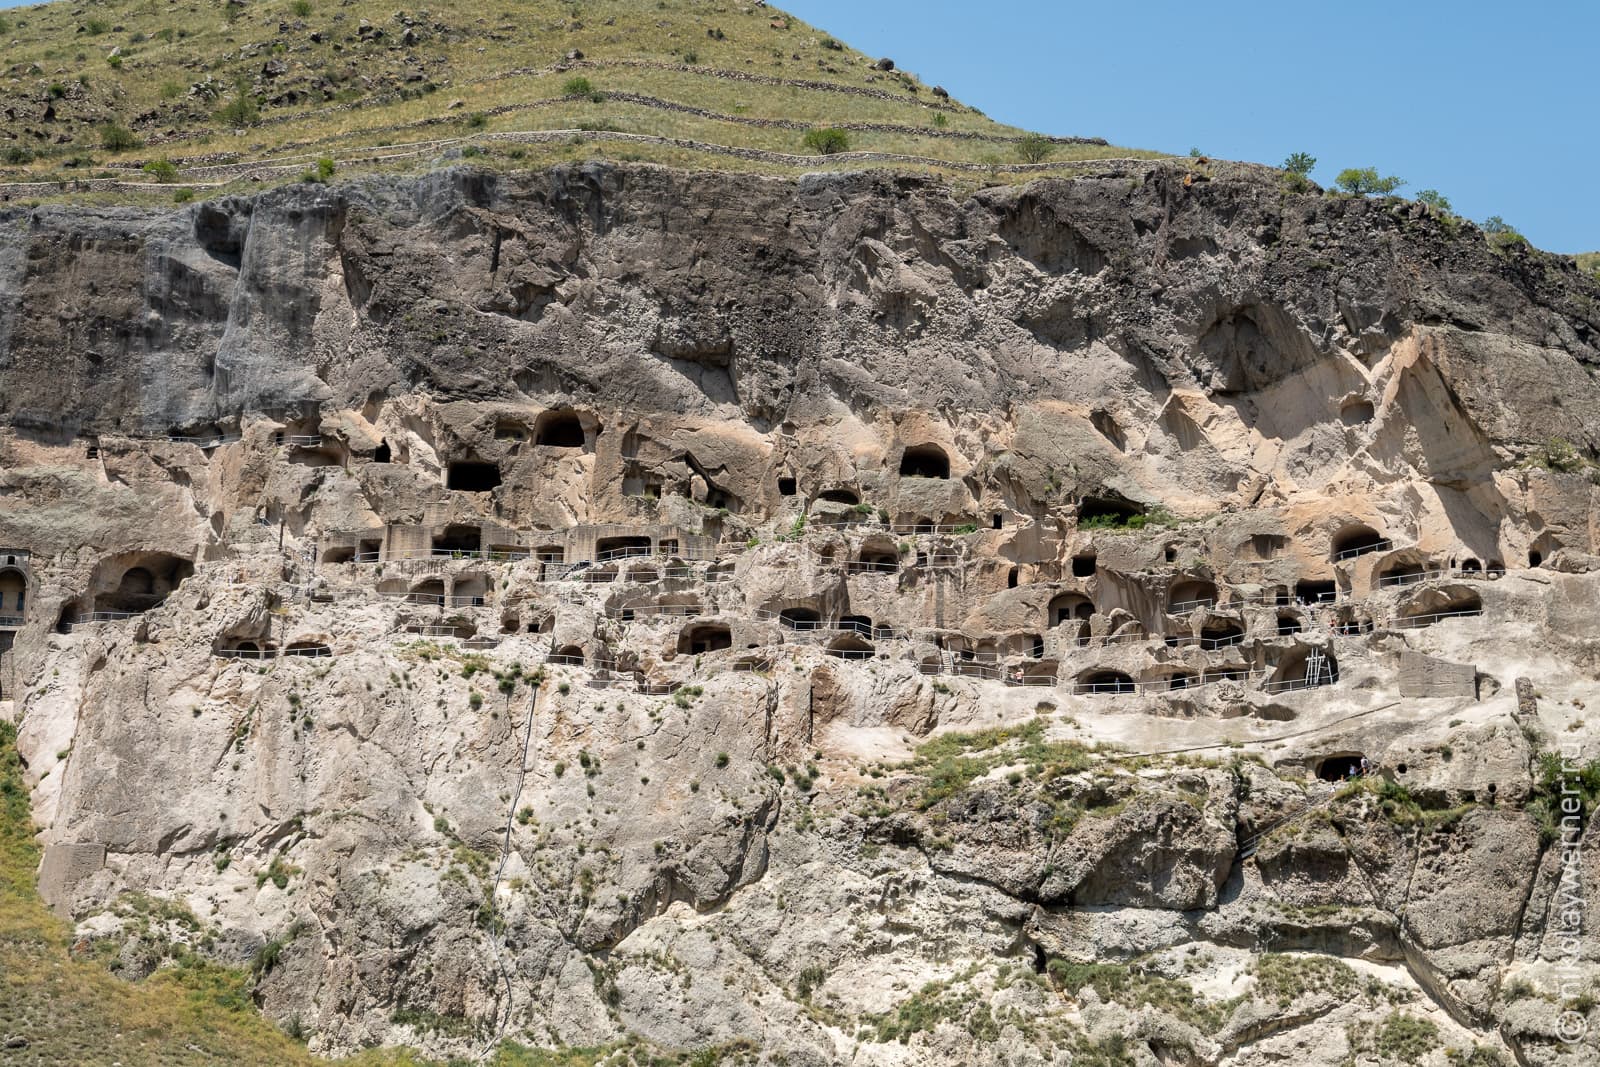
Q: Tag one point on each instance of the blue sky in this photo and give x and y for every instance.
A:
(1493, 104)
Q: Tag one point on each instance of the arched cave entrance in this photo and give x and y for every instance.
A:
(1339, 768)
(560, 429)
(924, 461)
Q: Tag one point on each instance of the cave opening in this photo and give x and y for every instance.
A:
(924, 461)
(1357, 539)
(560, 429)
(471, 476)
(1341, 767)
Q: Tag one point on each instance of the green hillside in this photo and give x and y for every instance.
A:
(215, 91)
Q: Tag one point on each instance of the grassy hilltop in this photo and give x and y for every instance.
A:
(187, 90)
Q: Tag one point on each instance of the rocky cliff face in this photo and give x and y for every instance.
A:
(848, 619)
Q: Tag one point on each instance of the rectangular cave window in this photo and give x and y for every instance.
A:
(607, 548)
(1083, 566)
(1310, 592)
(787, 487)
(999, 521)
(1266, 546)
(471, 477)
(458, 539)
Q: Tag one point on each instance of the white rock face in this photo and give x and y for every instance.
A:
(925, 631)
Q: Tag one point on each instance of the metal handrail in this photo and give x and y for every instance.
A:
(685, 611)
(970, 669)
(868, 519)
(1289, 685)
(1119, 639)
(635, 576)
(10, 621)
(626, 552)
(1411, 622)
(794, 624)
(1211, 644)
(959, 529)
(1183, 607)
(1351, 553)
(1115, 688)
(205, 442)
(105, 616)
(432, 629)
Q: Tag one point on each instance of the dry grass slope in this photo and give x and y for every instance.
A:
(150, 90)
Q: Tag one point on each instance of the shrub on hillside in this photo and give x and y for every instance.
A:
(827, 141)
(1435, 200)
(1035, 148)
(1365, 181)
(117, 138)
(581, 86)
(1502, 235)
(1301, 163)
(162, 170)
(242, 109)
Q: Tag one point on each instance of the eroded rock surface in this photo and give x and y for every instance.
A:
(889, 624)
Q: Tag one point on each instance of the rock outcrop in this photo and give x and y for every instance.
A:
(852, 618)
